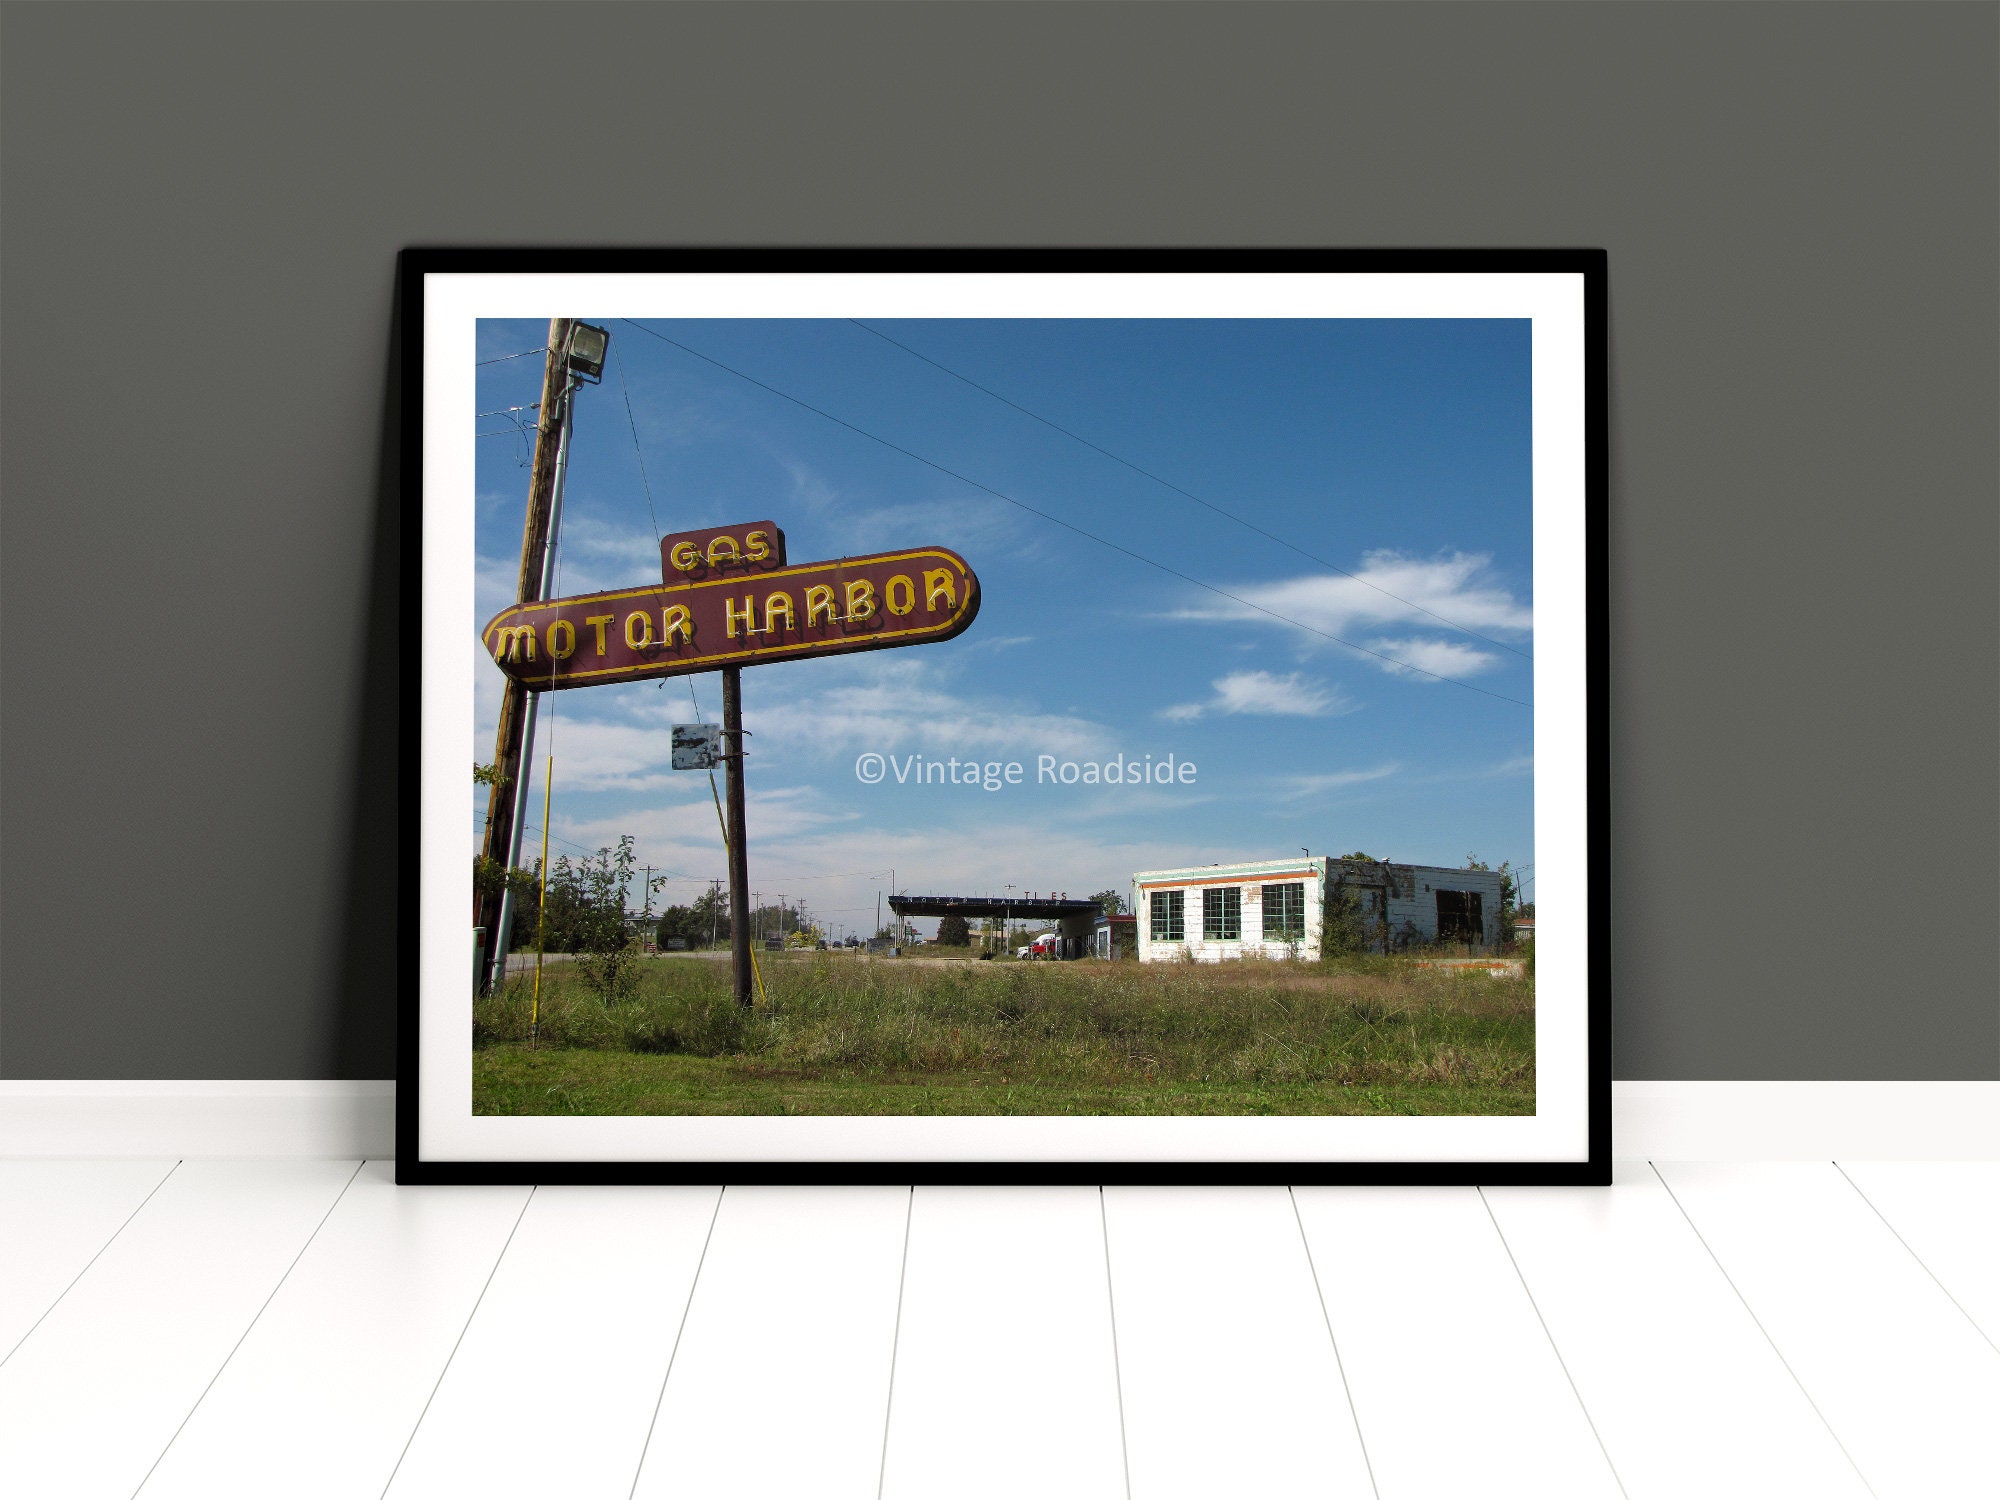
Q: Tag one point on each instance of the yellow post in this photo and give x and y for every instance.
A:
(542, 906)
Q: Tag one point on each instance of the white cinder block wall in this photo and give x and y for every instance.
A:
(1250, 879)
(1409, 901)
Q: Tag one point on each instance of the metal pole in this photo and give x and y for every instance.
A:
(505, 925)
(739, 863)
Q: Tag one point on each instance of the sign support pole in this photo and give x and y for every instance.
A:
(507, 805)
(739, 861)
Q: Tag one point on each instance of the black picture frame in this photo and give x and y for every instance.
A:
(418, 265)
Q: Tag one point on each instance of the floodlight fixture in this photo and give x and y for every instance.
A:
(587, 345)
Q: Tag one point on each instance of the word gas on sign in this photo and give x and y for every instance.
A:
(753, 546)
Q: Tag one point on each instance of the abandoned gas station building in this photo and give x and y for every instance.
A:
(1273, 908)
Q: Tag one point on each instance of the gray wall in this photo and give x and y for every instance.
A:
(202, 207)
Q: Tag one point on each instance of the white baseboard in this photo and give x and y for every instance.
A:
(1661, 1121)
(198, 1117)
(1796, 1121)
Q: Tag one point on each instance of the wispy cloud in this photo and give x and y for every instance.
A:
(896, 702)
(1294, 787)
(1388, 589)
(1416, 655)
(963, 523)
(689, 832)
(1262, 692)
(809, 488)
(594, 556)
(594, 756)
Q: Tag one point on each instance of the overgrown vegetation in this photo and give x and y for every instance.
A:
(842, 1035)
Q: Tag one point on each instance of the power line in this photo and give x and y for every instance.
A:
(503, 358)
(1189, 494)
(637, 451)
(1071, 526)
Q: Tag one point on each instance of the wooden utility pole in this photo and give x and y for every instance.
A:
(506, 803)
(739, 862)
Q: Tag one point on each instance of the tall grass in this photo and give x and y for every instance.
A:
(1380, 1022)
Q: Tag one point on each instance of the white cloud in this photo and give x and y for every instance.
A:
(1428, 654)
(1313, 785)
(897, 702)
(836, 863)
(1389, 589)
(594, 556)
(599, 757)
(1265, 693)
(966, 524)
(685, 833)
(809, 487)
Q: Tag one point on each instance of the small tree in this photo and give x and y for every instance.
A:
(586, 916)
(1509, 895)
(1342, 929)
(952, 931)
(1112, 901)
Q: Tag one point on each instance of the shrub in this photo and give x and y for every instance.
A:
(1343, 930)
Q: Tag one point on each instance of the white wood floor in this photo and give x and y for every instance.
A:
(304, 1328)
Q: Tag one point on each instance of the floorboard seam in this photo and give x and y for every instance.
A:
(89, 1263)
(292, 1265)
(679, 1329)
(895, 1343)
(1339, 1364)
(1731, 1280)
(437, 1384)
(1117, 1373)
(1918, 1259)
(1549, 1334)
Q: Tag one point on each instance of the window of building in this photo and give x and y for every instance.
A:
(1461, 916)
(1222, 913)
(1169, 916)
(1285, 912)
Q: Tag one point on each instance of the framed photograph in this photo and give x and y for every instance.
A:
(985, 716)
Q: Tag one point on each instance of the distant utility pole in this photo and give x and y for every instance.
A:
(507, 803)
(714, 909)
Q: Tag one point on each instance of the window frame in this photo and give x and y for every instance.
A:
(1172, 906)
(1264, 898)
(1222, 921)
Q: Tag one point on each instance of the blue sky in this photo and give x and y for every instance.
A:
(1398, 451)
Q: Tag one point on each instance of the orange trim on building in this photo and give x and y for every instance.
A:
(1263, 879)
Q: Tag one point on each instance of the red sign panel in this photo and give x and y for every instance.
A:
(906, 598)
(748, 547)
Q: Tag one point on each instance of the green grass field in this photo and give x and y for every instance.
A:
(844, 1035)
